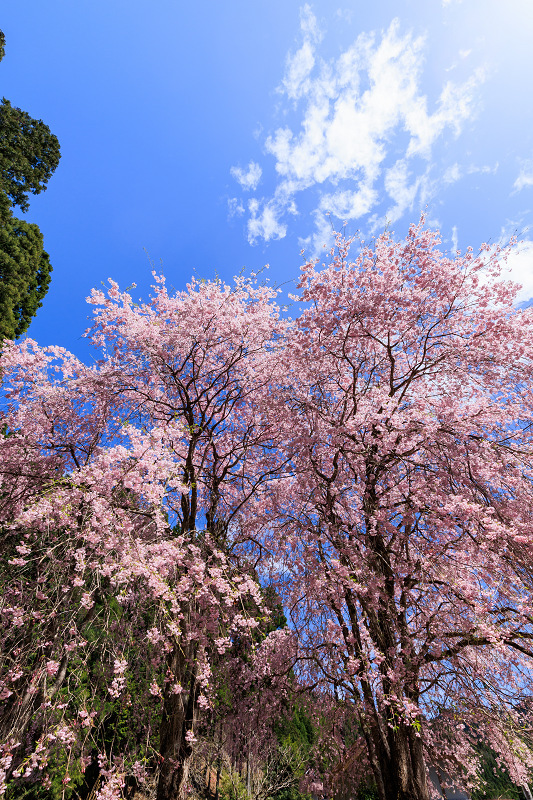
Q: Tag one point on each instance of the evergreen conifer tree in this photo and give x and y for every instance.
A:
(29, 154)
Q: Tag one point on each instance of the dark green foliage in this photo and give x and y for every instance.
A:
(29, 154)
(277, 619)
(24, 276)
(368, 791)
(494, 781)
(295, 731)
(5, 208)
(57, 789)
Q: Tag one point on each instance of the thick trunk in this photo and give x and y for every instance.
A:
(395, 751)
(401, 752)
(178, 718)
(402, 774)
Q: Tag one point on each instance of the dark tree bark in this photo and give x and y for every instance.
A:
(178, 718)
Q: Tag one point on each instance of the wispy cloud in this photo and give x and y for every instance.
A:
(452, 174)
(520, 268)
(264, 222)
(401, 189)
(250, 178)
(455, 241)
(357, 112)
(345, 14)
(235, 207)
(486, 169)
(300, 64)
(525, 177)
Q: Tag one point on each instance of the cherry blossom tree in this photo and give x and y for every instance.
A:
(121, 483)
(373, 457)
(401, 535)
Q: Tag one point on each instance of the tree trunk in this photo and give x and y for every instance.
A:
(248, 774)
(219, 762)
(178, 718)
(402, 774)
(400, 751)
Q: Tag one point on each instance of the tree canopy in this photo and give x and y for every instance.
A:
(371, 461)
(29, 154)
(25, 275)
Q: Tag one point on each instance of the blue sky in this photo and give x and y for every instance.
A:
(210, 136)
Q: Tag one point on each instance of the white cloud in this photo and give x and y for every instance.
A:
(309, 24)
(525, 177)
(399, 190)
(357, 111)
(264, 222)
(249, 179)
(345, 14)
(299, 67)
(462, 55)
(520, 268)
(484, 170)
(349, 204)
(300, 64)
(345, 126)
(235, 207)
(292, 208)
(456, 105)
(452, 174)
(323, 235)
(455, 241)
(518, 265)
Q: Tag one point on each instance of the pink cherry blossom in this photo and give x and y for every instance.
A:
(373, 459)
